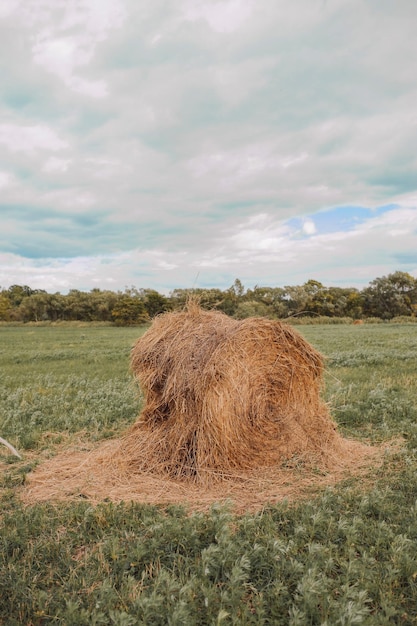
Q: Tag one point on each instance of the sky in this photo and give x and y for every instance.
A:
(184, 143)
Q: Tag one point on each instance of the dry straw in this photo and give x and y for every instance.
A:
(224, 395)
(227, 403)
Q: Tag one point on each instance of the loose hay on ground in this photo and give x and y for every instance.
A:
(227, 402)
(77, 475)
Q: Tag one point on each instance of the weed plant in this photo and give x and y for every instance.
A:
(347, 555)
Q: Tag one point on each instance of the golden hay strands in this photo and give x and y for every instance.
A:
(224, 395)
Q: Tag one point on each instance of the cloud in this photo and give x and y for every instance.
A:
(54, 164)
(5, 179)
(222, 17)
(61, 57)
(153, 141)
(30, 138)
(259, 250)
(309, 227)
(64, 36)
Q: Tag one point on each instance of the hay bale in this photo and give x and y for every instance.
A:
(223, 395)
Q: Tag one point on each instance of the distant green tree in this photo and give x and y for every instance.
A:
(78, 306)
(385, 297)
(322, 300)
(33, 308)
(102, 303)
(388, 296)
(272, 297)
(252, 308)
(232, 297)
(5, 307)
(129, 310)
(155, 303)
(347, 302)
(297, 298)
(237, 288)
(17, 293)
(314, 298)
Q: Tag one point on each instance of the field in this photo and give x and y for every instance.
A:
(342, 555)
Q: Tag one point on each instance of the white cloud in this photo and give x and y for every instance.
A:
(401, 222)
(5, 179)
(7, 7)
(66, 35)
(54, 164)
(74, 199)
(309, 227)
(251, 166)
(262, 251)
(62, 57)
(201, 128)
(223, 16)
(30, 138)
(258, 234)
(236, 81)
(293, 160)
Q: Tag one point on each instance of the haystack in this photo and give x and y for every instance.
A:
(223, 396)
(232, 412)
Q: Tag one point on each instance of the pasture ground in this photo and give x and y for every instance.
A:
(345, 554)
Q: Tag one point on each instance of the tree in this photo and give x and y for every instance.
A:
(237, 288)
(17, 293)
(33, 308)
(297, 298)
(232, 297)
(101, 305)
(5, 307)
(78, 306)
(252, 308)
(388, 296)
(272, 297)
(347, 302)
(154, 302)
(129, 311)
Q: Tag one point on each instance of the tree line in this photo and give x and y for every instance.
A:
(385, 297)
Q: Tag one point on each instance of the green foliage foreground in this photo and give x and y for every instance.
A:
(347, 555)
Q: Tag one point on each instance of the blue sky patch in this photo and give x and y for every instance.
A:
(338, 219)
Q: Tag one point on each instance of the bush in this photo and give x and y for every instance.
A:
(404, 319)
(252, 308)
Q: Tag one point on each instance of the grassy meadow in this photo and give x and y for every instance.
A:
(345, 555)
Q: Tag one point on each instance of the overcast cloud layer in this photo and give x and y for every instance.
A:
(181, 143)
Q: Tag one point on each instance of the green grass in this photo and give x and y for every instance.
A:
(64, 380)
(371, 378)
(347, 556)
